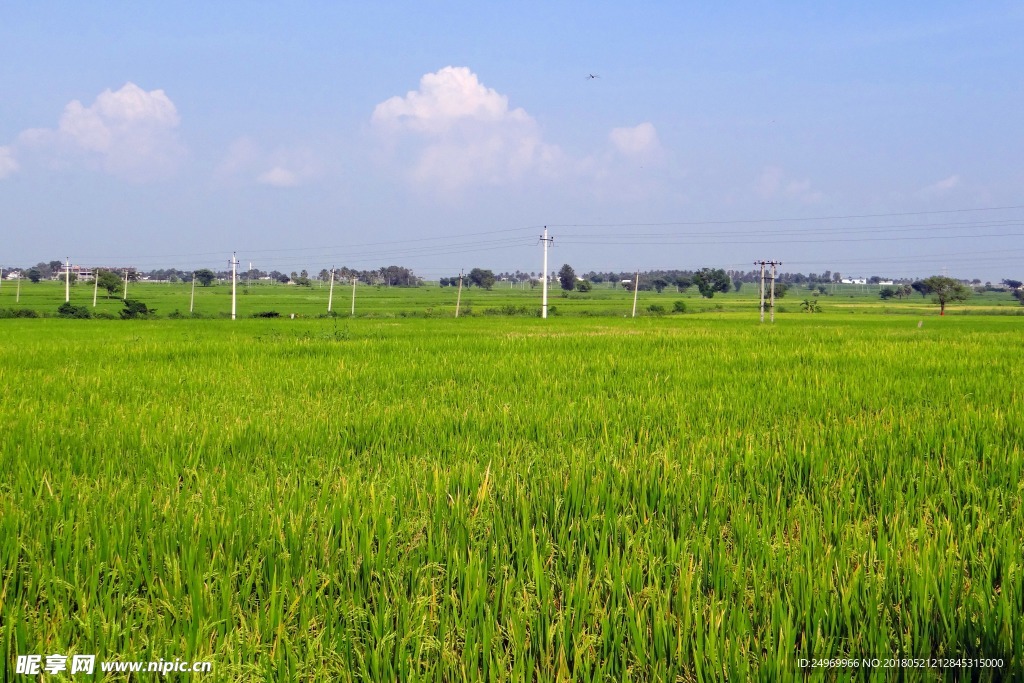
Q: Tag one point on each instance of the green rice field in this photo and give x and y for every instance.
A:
(405, 496)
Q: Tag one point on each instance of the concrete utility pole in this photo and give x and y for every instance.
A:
(125, 297)
(636, 290)
(95, 285)
(761, 286)
(353, 296)
(458, 299)
(67, 281)
(192, 299)
(234, 269)
(544, 285)
(330, 293)
(773, 264)
(17, 295)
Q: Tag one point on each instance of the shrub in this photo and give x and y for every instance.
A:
(679, 307)
(272, 314)
(510, 310)
(133, 308)
(656, 309)
(19, 313)
(69, 310)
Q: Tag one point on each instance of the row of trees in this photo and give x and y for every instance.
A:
(707, 280)
(478, 277)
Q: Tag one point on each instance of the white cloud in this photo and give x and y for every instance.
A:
(774, 184)
(941, 187)
(246, 162)
(279, 177)
(454, 132)
(8, 164)
(636, 141)
(128, 132)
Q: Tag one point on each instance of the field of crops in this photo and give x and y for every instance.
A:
(178, 300)
(692, 497)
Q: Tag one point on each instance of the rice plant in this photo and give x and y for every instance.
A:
(660, 499)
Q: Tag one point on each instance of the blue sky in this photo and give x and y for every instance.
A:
(443, 135)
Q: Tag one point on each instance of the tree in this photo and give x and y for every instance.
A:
(567, 277)
(659, 284)
(683, 284)
(946, 290)
(109, 281)
(34, 275)
(886, 293)
(481, 278)
(205, 276)
(584, 286)
(709, 281)
(904, 290)
(921, 288)
(737, 284)
(1013, 284)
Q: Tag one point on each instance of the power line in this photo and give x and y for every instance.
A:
(787, 220)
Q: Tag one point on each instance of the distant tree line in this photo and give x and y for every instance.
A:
(707, 281)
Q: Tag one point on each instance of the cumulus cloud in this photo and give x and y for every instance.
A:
(941, 187)
(454, 132)
(279, 177)
(246, 162)
(773, 183)
(128, 132)
(636, 141)
(8, 164)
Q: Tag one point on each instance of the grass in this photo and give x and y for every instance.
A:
(434, 301)
(690, 497)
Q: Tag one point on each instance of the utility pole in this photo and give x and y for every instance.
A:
(761, 286)
(125, 297)
(771, 304)
(353, 296)
(192, 299)
(95, 285)
(330, 292)
(17, 295)
(458, 299)
(636, 290)
(544, 285)
(774, 263)
(67, 281)
(234, 269)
